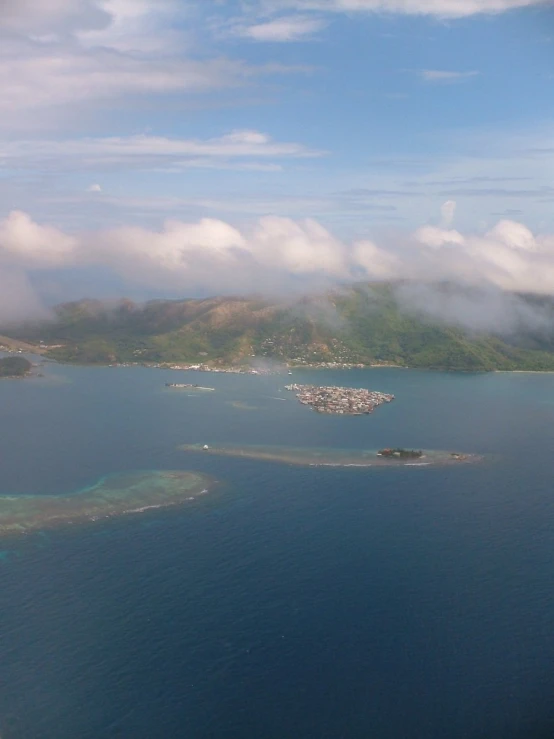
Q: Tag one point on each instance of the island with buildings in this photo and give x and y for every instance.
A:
(114, 495)
(340, 400)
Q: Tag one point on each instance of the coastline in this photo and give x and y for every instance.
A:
(523, 372)
(285, 368)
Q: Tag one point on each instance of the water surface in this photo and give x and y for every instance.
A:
(297, 601)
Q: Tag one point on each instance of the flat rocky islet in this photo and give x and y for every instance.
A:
(309, 457)
(114, 495)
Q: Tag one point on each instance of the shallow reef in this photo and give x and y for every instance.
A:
(114, 495)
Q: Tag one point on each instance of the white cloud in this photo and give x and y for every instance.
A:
(38, 76)
(94, 188)
(277, 253)
(437, 8)
(24, 243)
(283, 29)
(437, 237)
(65, 58)
(31, 17)
(213, 254)
(437, 75)
(18, 298)
(154, 152)
(376, 263)
(448, 211)
(298, 248)
(509, 256)
(140, 25)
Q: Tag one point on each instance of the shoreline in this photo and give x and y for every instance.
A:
(523, 372)
(252, 371)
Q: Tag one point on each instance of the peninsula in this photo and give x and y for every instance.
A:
(340, 400)
(115, 495)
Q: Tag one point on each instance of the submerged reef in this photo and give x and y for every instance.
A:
(331, 457)
(114, 495)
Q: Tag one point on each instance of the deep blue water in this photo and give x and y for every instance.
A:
(293, 603)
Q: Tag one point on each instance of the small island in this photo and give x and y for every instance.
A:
(400, 454)
(15, 367)
(310, 457)
(340, 400)
(188, 386)
(114, 495)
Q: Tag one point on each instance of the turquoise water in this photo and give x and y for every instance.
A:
(296, 602)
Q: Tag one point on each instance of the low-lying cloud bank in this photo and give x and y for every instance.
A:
(275, 255)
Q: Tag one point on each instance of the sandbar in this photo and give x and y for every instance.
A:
(310, 457)
(113, 495)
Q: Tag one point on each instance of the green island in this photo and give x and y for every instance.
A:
(361, 325)
(15, 367)
(114, 495)
(309, 457)
(399, 453)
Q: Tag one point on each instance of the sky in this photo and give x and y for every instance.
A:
(184, 147)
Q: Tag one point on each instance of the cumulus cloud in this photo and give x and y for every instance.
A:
(94, 188)
(24, 243)
(212, 253)
(448, 211)
(277, 254)
(438, 237)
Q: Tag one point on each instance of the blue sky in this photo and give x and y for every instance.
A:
(146, 145)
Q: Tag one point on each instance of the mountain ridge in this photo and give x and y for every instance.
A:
(361, 324)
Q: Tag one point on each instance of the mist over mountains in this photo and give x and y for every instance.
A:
(437, 325)
(279, 257)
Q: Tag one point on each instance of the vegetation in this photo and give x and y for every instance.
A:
(14, 367)
(362, 324)
(401, 453)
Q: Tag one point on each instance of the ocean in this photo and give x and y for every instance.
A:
(291, 602)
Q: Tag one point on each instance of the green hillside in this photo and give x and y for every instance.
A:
(14, 367)
(355, 325)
